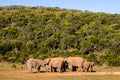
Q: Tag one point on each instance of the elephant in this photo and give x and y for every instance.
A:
(35, 63)
(88, 66)
(74, 62)
(54, 63)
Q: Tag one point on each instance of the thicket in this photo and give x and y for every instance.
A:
(43, 32)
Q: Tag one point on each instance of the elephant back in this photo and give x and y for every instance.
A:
(75, 61)
(57, 60)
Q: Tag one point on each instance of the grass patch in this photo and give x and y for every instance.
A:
(106, 69)
(5, 66)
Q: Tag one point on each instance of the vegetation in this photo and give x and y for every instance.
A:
(43, 32)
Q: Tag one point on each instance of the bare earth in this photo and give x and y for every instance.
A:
(23, 73)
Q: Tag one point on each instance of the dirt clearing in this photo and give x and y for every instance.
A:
(26, 73)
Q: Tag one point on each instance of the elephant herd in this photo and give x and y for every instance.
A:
(60, 64)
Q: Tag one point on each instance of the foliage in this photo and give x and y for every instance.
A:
(43, 32)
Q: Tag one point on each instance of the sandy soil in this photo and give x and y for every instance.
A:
(23, 73)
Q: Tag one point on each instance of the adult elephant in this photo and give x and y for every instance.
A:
(53, 64)
(88, 66)
(74, 62)
(35, 63)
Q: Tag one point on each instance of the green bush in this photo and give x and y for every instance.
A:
(11, 33)
(93, 58)
(110, 58)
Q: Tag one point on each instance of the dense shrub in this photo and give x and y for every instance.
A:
(43, 32)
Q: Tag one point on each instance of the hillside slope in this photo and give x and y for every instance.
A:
(43, 32)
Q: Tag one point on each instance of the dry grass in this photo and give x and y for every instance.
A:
(12, 71)
(5, 66)
(106, 69)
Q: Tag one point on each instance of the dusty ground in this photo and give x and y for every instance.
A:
(10, 71)
(24, 73)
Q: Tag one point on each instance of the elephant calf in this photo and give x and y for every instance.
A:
(88, 66)
(34, 63)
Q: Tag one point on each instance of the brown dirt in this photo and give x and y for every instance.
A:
(23, 73)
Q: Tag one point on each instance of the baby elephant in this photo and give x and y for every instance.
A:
(88, 66)
(34, 63)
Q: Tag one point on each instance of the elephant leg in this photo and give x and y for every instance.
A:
(70, 68)
(29, 67)
(55, 69)
(52, 69)
(47, 68)
(86, 69)
(59, 69)
(63, 68)
(91, 68)
(74, 68)
(83, 70)
(38, 69)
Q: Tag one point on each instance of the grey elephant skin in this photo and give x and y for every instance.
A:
(53, 64)
(74, 62)
(88, 66)
(35, 63)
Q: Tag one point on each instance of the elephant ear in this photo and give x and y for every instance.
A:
(47, 61)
